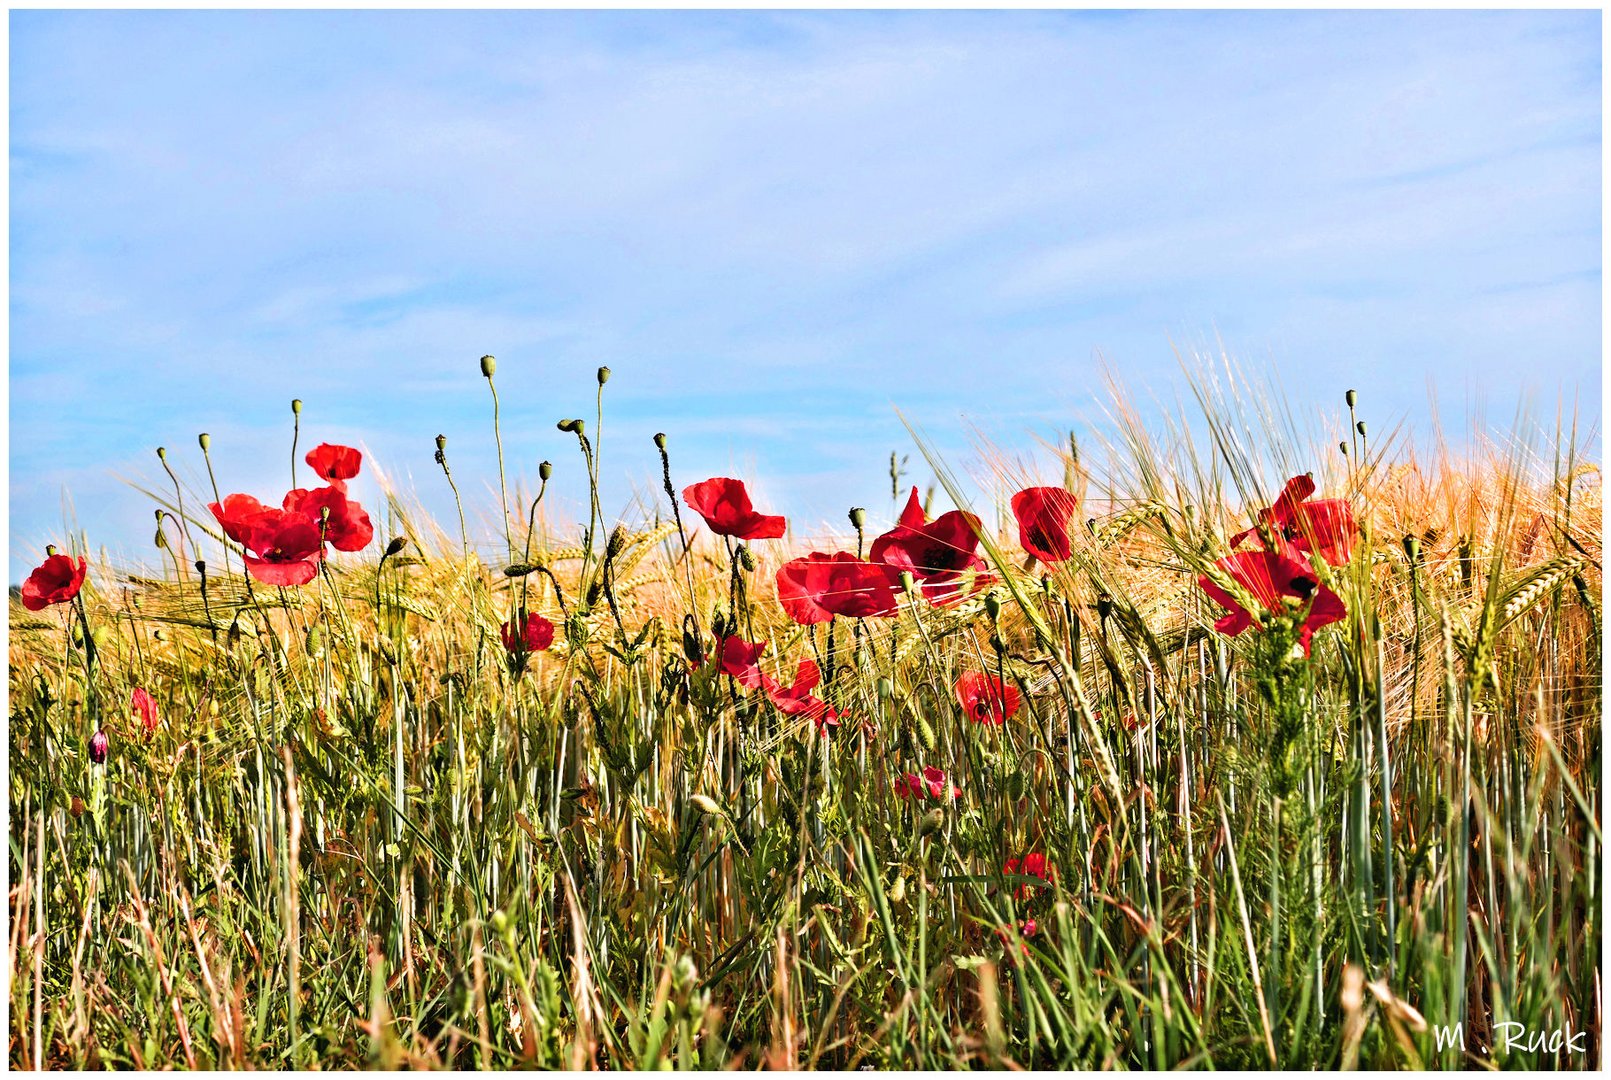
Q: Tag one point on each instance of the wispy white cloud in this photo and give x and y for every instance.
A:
(771, 225)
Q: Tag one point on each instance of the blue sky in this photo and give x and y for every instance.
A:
(774, 227)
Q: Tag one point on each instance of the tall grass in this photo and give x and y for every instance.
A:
(358, 837)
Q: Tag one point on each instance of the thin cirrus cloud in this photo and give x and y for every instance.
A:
(774, 227)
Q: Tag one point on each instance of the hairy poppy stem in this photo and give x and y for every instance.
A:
(682, 534)
(441, 459)
(488, 366)
(296, 431)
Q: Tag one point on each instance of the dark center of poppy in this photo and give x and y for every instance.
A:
(1303, 586)
(1039, 538)
(935, 557)
(981, 709)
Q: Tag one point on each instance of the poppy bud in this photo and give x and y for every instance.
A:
(296, 406)
(50, 551)
(1412, 548)
(315, 640)
(201, 567)
(908, 584)
(1361, 427)
(933, 822)
(1351, 397)
(544, 471)
(691, 648)
(161, 539)
(441, 443)
(660, 440)
(98, 745)
(746, 557)
(205, 441)
(162, 453)
(1343, 447)
(594, 591)
(992, 604)
(1104, 606)
(396, 546)
(858, 517)
(488, 366)
(604, 375)
(574, 426)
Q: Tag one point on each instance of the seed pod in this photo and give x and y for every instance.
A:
(489, 365)
(1352, 397)
(858, 517)
(296, 406)
(660, 440)
(545, 471)
(604, 375)
(1361, 427)
(162, 453)
(441, 443)
(205, 441)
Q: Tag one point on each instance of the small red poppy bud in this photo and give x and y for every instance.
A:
(98, 746)
(489, 365)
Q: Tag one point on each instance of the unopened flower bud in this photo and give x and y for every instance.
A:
(908, 583)
(162, 453)
(488, 366)
(1351, 397)
(396, 546)
(205, 441)
(1361, 427)
(660, 440)
(50, 551)
(933, 822)
(296, 405)
(98, 746)
(604, 375)
(1412, 547)
(992, 604)
(1343, 447)
(858, 517)
(201, 567)
(746, 558)
(545, 471)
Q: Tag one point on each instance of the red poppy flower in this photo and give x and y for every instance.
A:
(99, 744)
(985, 698)
(239, 515)
(725, 505)
(1325, 527)
(287, 549)
(1028, 866)
(538, 635)
(337, 464)
(817, 587)
(1280, 582)
(348, 528)
(937, 553)
(931, 784)
(798, 700)
(141, 705)
(1043, 515)
(54, 581)
(741, 660)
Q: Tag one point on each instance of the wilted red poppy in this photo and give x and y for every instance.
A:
(287, 549)
(817, 587)
(1028, 866)
(54, 581)
(99, 744)
(1325, 527)
(239, 514)
(337, 464)
(537, 636)
(932, 784)
(1281, 583)
(348, 528)
(798, 700)
(1043, 515)
(1026, 929)
(985, 698)
(741, 660)
(936, 553)
(141, 705)
(725, 505)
